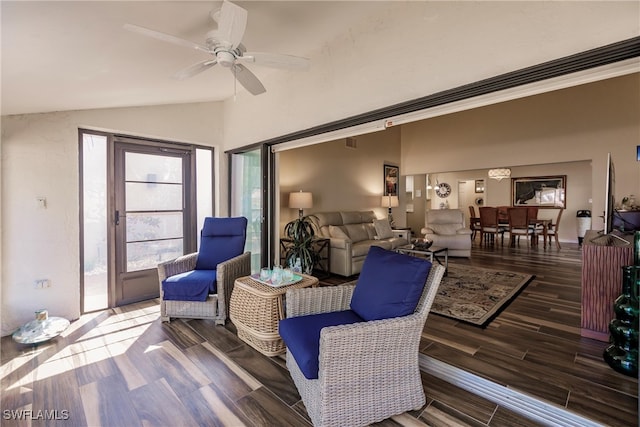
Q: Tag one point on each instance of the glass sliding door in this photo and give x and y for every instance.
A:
(248, 199)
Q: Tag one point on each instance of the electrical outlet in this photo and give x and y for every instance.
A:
(42, 283)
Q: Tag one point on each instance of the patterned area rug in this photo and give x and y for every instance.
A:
(477, 295)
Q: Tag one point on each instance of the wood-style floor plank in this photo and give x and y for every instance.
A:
(125, 367)
(265, 409)
(157, 404)
(210, 406)
(106, 402)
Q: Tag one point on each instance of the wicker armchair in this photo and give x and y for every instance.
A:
(367, 371)
(216, 303)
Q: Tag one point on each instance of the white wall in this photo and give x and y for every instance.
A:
(40, 158)
(498, 193)
(340, 178)
(582, 123)
(418, 48)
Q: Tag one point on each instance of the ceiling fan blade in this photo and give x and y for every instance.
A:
(276, 60)
(165, 37)
(232, 24)
(195, 69)
(248, 80)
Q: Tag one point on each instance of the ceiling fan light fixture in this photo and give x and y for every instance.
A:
(225, 58)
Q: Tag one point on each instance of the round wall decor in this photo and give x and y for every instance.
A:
(443, 190)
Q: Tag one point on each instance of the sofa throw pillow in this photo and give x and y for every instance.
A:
(335, 231)
(390, 284)
(383, 228)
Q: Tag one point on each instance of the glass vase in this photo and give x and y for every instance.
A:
(622, 354)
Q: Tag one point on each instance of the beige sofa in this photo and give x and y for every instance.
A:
(351, 235)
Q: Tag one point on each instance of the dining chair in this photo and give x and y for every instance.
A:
(489, 224)
(553, 228)
(474, 222)
(519, 225)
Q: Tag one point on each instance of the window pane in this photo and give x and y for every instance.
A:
(153, 197)
(141, 226)
(246, 199)
(94, 221)
(144, 255)
(153, 168)
(204, 186)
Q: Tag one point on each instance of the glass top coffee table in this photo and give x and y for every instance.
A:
(433, 252)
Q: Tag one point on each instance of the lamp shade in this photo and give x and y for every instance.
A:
(390, 202)
(301, 200)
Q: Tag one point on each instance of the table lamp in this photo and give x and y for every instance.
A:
(390, 202)
(300, 200)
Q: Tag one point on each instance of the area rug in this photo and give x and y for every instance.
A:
(477, 295)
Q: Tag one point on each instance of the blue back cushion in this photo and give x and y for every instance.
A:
(221, 239)
(302, 336)
(390, 284)
(194, 285)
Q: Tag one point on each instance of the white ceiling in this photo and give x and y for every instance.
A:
(75, 55)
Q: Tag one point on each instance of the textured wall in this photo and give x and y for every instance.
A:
(40, 158)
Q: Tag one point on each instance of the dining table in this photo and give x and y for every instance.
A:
(536, 223)
(543, 224)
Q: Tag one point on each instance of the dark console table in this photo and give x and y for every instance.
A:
(320, 246)
(602, 260)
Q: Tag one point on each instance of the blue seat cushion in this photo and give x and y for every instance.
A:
(302, 336)
(193, 285)
(220, 240)
(390, 284)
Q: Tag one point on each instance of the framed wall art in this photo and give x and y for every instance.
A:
(479, 185)
(549, 191)
(391, 179)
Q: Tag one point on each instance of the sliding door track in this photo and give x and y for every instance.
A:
(528, 406)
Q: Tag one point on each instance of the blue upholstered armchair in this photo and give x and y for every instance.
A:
(352, 350)
(199, 285)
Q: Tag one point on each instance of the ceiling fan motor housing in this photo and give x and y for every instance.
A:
(225, 58)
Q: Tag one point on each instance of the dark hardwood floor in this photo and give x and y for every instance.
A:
(124, 367)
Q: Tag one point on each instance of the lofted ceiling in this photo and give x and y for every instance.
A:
(75, 55)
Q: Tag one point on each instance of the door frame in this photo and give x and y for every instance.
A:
(190, 235)
(267, 162)
(121, 146)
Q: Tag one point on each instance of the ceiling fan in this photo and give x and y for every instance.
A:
(224, 45)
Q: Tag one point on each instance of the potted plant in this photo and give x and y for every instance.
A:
(301, 231)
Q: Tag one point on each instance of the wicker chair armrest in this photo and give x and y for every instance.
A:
(364, 350)
(227, 272)
(305, 301)
(176, 266)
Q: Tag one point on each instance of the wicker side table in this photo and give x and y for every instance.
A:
(255, 309)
